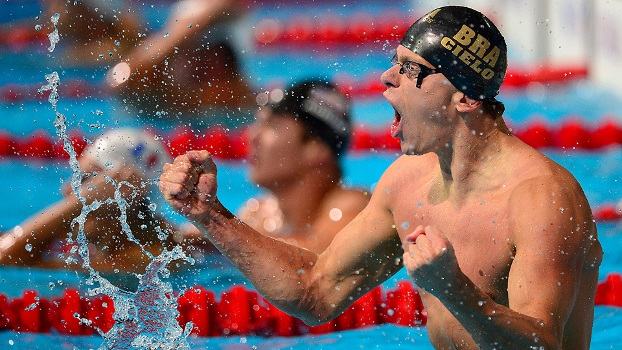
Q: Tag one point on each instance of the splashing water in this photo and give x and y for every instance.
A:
(147, 318)
(53, 36)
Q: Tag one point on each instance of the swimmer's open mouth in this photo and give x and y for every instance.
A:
(397, 123)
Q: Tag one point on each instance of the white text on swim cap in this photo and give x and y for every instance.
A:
(328, 107)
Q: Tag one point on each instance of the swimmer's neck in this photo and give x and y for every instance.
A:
(472, 153)
(300, 200)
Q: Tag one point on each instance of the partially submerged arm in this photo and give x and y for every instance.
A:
(314, 288)
(25, 243)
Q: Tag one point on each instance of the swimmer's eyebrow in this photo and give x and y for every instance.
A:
(85, 176)
(402, 59)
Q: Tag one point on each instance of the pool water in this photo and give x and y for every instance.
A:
(27, 185)
(35, 189)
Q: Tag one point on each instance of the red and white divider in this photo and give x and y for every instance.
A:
(368, 86)
(609, 291)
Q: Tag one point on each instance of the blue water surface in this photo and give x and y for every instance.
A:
(27, 186)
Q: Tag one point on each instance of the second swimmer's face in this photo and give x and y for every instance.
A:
(88, 168)
(276, 146)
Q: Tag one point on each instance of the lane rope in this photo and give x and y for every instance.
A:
(238, 311)
(366, 87)
(571, 134)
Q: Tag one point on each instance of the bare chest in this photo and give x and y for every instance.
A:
(477, 228)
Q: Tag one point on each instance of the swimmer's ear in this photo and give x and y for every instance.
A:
(465, 103)
(317, 151)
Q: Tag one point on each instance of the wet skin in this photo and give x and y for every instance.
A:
(499, 239)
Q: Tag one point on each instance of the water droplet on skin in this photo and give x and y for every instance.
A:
(28, 247)
(405, 225)
(335, 214)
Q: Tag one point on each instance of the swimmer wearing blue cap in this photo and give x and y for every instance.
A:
(498, 238)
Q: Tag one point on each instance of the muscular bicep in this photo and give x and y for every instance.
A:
(551, 228)
(362, 255)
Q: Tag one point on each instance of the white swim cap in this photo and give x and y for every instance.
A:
(130, 147)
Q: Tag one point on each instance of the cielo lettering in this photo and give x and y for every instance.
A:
(474, 50)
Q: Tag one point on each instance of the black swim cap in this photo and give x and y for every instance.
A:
(464, 45)
(324, 109)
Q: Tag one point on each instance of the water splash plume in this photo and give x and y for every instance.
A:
(147, 318)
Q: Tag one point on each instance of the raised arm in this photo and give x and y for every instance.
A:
(314, 288)
(188, 18)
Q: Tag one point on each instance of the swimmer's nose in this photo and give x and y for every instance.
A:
(253, 133)
(389, 77)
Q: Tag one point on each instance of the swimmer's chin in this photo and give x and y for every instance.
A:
(412, 150)
(409, 150)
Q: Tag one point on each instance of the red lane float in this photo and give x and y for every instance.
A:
(233, 144)
(355, 30)
(368, 86)
(609, 291)
(571, 134)
(18, 37)
(239, 311)
(69, 89)
(607, 212)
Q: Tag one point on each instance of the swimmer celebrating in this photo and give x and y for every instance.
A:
(131, 158)
(499, 239)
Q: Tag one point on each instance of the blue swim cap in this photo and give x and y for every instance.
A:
(464, 45)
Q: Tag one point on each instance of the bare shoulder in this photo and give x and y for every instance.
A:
(256, 210)
(409, 170)
(348, 197)
(544, 178)
(547, 202)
